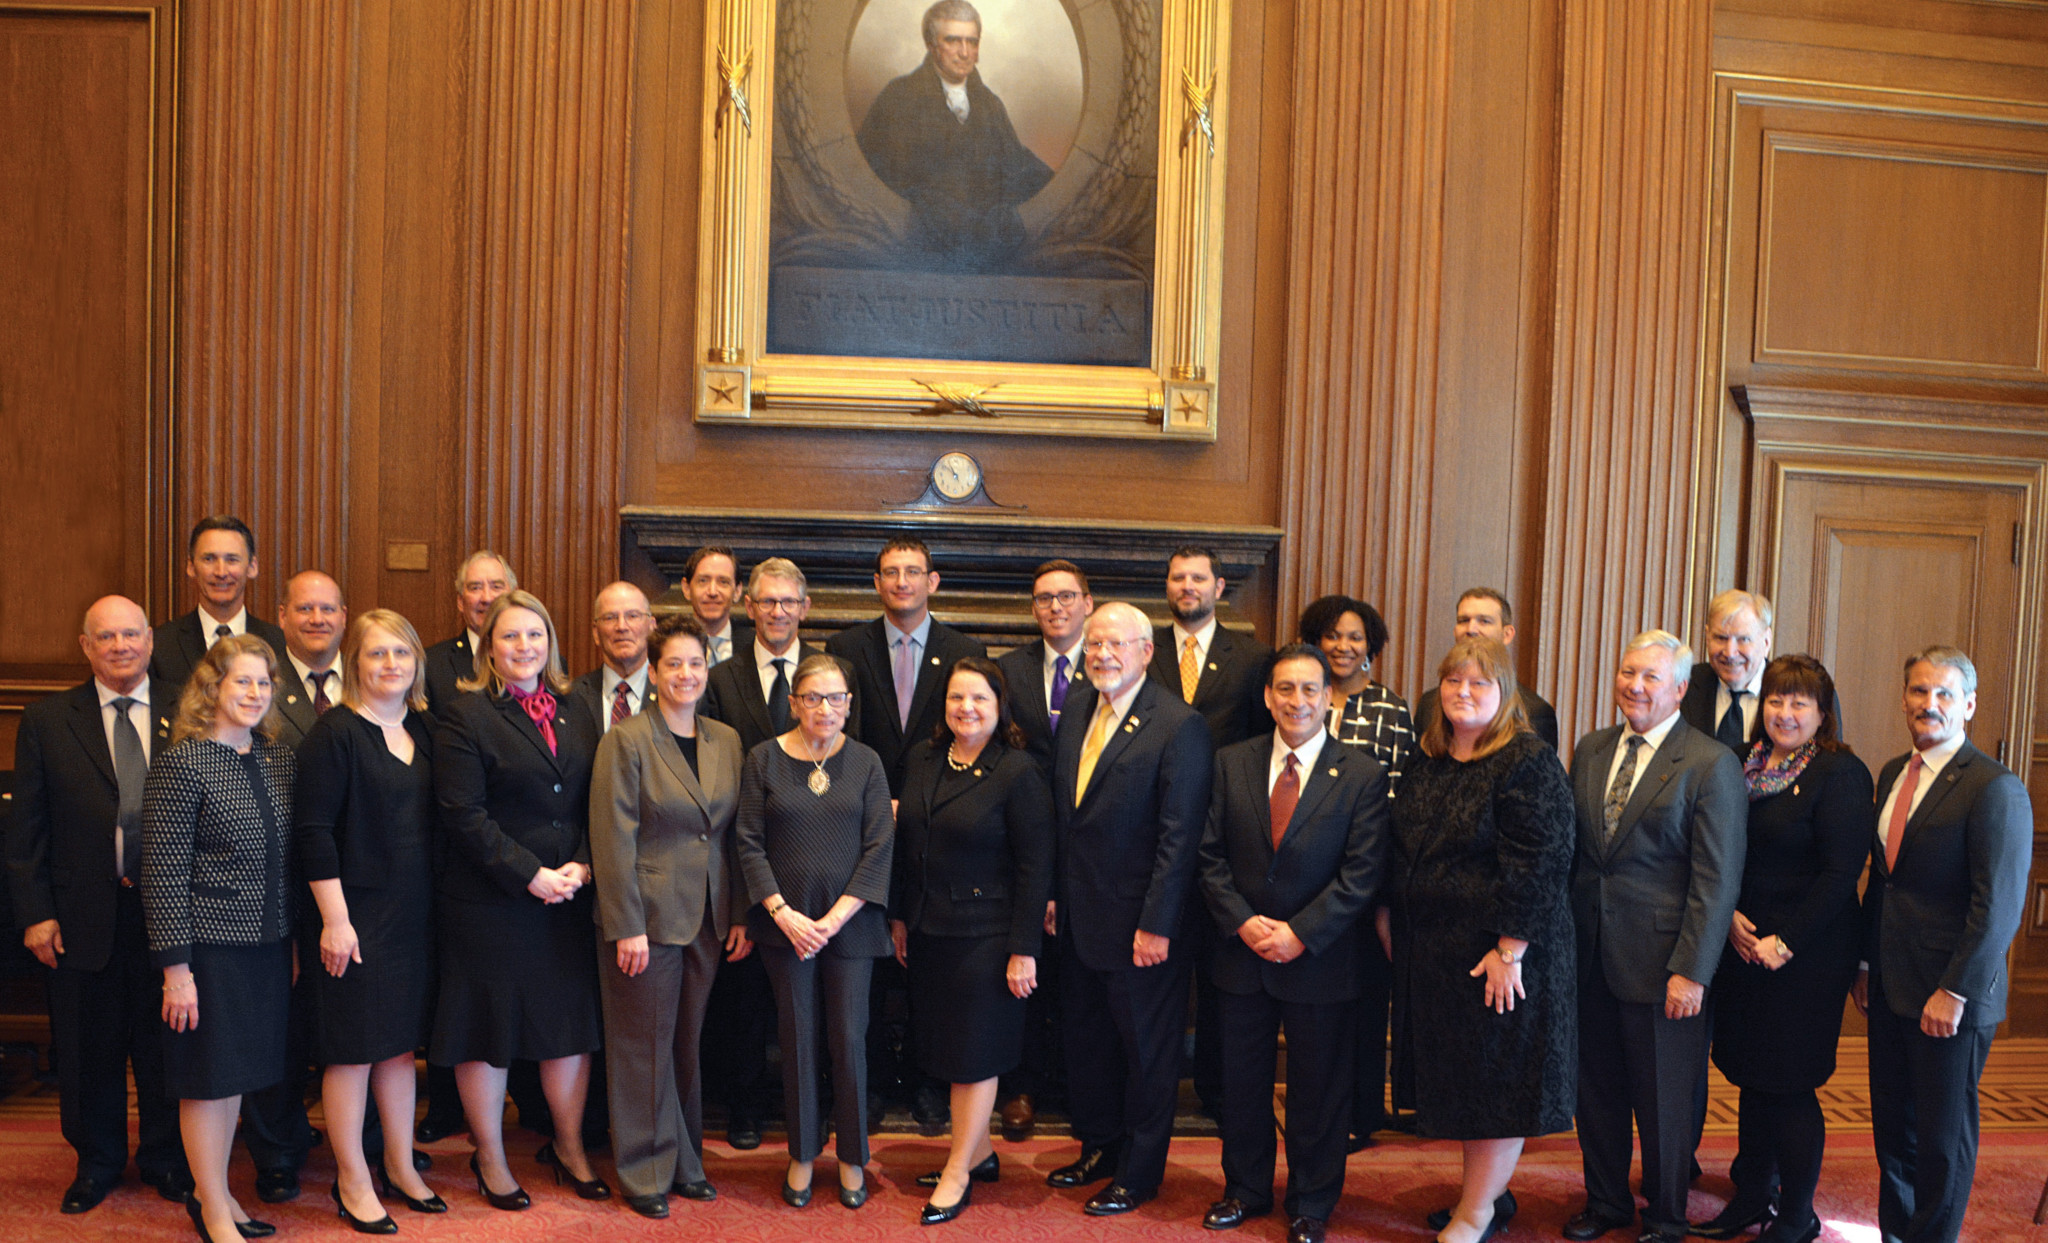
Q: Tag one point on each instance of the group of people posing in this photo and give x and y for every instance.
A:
(458, 849)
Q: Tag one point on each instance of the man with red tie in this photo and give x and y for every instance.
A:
(620, 622)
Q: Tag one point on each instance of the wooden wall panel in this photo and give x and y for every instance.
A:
(1630, 230)
(266, 266)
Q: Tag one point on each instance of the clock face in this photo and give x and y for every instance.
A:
(956, 476)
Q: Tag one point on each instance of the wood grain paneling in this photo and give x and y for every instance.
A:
(544, 341)
(84, 316)
(1631, 224)
(266, 229)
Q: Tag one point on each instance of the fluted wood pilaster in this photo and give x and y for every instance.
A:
(1634, 147)
(266, 237)
(1365, 244)
(544, 341)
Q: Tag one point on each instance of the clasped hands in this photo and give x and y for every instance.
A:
(1270, 939)
(807, 936)
(553, 885)
(1768, 952)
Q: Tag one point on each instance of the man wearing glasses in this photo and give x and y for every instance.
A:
(620, 622)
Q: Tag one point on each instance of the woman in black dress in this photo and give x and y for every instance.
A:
(365, 817)
(518, 945)
(1485, 986)
(973, 873)
(217, 903)
(815, 840)
(1778, 1009)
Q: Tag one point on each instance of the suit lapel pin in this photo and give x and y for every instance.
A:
(1333, 772)
(935, 660)
(1212, 664)
(291, 699)
(1131, 724)
(1795, 791)
(977, 772)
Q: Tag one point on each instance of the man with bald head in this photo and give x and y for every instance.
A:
(620, 622)
(313, 619)
(1131, 775)
(74, 851)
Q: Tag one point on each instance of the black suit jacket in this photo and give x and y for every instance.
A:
(1946, 916)
(506, 806)
(292, 701)
(1698, 705)
(1542, 717)
(874, 721)
(1330, 863)
(1127, 853)
(1655, 900)
(60, 843)
(977, 860)
(1024, 669)
(588, 694)
(732, 694)
(1231, 695)
(448, 662)
(181, 642)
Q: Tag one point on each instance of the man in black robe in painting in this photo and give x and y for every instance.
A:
(941, 139)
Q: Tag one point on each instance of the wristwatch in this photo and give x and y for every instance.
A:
(1508, 956)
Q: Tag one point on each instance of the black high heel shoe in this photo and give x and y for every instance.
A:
(250, 1229)
(986, 1172)
(383, 1225)
(854, 1197)
(793, 1197)
(589, 1189)
(932, 1215)
(511, 1202)
(432, 1204)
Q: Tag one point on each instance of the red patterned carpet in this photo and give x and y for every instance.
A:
(1389, 1190)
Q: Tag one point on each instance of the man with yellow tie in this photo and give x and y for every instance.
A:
(1131, 774)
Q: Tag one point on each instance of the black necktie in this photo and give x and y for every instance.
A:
(1730, 730)
(321, 703)
(221, 631)
(129, 770)
(778, 697)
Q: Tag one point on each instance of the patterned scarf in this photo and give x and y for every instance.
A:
(1765, 781)
(540, 705)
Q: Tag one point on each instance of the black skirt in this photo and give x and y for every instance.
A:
(244, 1004)
(969, 1026)
(380, 1007)
(518, 980)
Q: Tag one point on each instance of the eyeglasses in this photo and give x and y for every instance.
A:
(779, 604)
(812, 700)
(905, 573)
(1094, 646)
(1046, 599)
(630, 616)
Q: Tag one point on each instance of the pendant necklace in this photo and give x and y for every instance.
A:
(820, 781)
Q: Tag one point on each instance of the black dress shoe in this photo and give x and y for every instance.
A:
(85, 1193)
(1095, 1165)
(1503, 1209)
(854, 1197)
(986, 1172)
(1114, 1199)
(383, 1225)
(743, 1131)
(1590, 1224)
(1735, 1220)
(1359, 1143)
(588, 1188)
(172, 1185)
(432, 1130)
(701, 1191)
(1774, 1233)
(512, 1201)
(422, 1161)
(1230, 1212)
(432, 1204)
(1305, 1230)
(655, 1206)
(1660, 1236)
(250, 1229)
(932, 1215)
(277, 1186)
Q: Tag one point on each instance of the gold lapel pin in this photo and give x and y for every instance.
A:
(1795, 791)
(977, 772)
(1333, 772)
(291, 699)
(1212, 664)
(935, 660)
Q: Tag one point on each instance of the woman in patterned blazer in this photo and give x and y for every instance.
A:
(217, 902)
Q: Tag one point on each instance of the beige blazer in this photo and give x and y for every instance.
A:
(661, 841)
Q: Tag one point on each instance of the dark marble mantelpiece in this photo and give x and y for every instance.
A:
(984, 559)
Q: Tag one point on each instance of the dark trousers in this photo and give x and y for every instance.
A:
(1923, 1116)
(1320, 1048)
(1636, 1064)
(824, 996)
(652, 1022)
(101, 1022)
(1042, 1072)
(737, 1028)
(1206, 1063)
(1369, 1058)
(1783, 1135)
(1123, 1038)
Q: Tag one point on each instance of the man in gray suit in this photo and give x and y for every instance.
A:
(1662, 810)
(313, 619)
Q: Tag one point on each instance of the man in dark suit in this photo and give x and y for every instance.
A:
(1662, 811)
(73, 854)
(620, 622)
(1295, 847)
(220, 559)
(481, 579)
(1131, 775)
(711, 581)
(1721, 698)
(313, 619)
(1485, 611)
(750, 692)
(1041, 674)
(1948, 885)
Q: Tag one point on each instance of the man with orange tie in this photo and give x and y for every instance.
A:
(1948, 884)
(1131, 774)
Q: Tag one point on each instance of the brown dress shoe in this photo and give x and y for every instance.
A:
(1019, 1118)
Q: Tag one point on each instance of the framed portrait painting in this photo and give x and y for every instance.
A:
(1003, 214)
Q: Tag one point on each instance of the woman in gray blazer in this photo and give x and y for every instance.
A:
(669, 901)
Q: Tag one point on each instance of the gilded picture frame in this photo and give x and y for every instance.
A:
(776, 71)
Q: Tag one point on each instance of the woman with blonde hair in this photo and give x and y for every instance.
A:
(217, 903)
(365, 816)
(518, 944)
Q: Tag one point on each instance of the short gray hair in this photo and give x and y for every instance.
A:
(1734, 600)
(1681, 655)
(462, 571)
(948, 11)
(1943, 656)
(778, 567)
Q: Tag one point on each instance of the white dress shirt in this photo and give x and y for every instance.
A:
(764, 664)
(1652, 739)
(305, 672)
(956, 98)
(1932, 761)
(1750, 701)
(1074, 667)
(209, 629)
(636, 701)
(1203, 638)
(139, 717)
(1304, 755)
